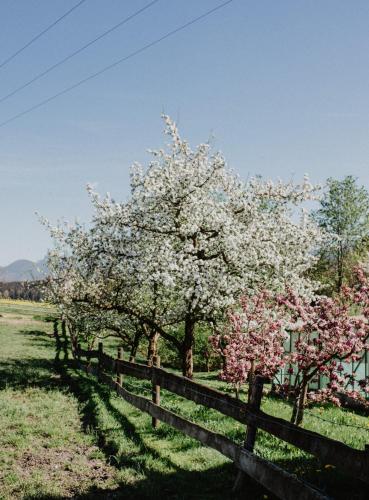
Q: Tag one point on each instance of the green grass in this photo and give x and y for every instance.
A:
(44, 452)
(47, 410)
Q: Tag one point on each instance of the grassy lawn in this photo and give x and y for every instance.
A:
(65, 435)
(44, 452)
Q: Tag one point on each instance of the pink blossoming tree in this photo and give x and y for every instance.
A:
(252, 344)
(325, 332)
(327, 337)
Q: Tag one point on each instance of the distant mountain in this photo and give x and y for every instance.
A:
(23, 270)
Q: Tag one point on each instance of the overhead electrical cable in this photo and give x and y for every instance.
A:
(78, 51)
(10, 58)
(116, 63)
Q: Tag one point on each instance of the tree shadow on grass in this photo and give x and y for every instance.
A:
(212, 483)
(215, 482)
(182, 485)
(179, 483)
(154, 488)
(60, 374)
(31, 371)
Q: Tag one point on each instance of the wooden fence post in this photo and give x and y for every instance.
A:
(155, 390)
(254, 403)
(120, 375)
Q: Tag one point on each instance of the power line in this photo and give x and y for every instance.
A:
(116, 63)
(78, 51)
(10, 58)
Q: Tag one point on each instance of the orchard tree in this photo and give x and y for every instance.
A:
(84, 320)
(252, 343)
(189, 241)
(208, 236)
(95, 282)
(71, 276)
(344, 216)
(60, 285)
(327, 337)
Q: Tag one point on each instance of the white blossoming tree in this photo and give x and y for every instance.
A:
(190, 240)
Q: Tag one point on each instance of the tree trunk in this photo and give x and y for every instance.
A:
(187, 348)
(294, 410)
(237, 391)
(299, 406)
(134, 347)
(251, 379)
(208, 364)
(153, 347)
(73, 337)
(340, 268)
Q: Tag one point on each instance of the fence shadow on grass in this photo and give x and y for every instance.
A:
(61, 373)
(325, 479)
(182, 485)
(179, 483)
(212, 483)
(49, 374)
(29, 371)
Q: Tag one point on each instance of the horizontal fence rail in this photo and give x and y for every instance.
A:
(329, 451)
(283, 484)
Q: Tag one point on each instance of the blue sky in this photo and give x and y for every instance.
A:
(282, 86)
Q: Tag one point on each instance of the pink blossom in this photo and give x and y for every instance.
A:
(326, 335)
(253, 339)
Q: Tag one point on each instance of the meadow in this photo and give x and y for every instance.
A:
(64, 435)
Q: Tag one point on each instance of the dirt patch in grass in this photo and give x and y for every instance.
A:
(74, 471)
(43, 451)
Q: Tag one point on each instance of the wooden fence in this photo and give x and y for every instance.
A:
(280, 482)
